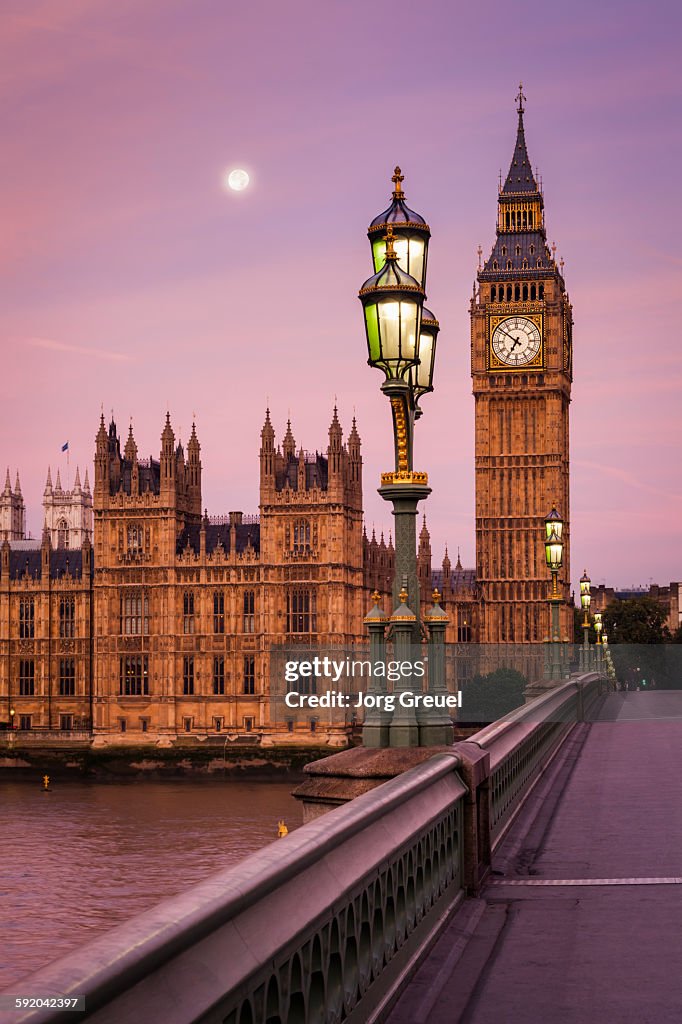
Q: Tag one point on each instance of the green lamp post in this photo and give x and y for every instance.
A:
(554, 549)
(393, 303)
(585, 601)
(598, 626)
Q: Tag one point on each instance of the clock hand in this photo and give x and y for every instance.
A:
(510, 336)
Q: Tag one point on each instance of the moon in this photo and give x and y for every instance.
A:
(237, 180)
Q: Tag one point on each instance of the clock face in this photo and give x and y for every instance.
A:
(516, 341)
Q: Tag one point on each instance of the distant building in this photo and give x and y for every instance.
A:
(669, 597)
(68, 514)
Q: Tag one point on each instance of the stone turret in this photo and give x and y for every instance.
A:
(12, 511)
(267, 455)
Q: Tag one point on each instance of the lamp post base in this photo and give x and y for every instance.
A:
(405, 496)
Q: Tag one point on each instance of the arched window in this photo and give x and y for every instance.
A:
(495, 266)
(533, 292)
(301, 611)
(493, 293)
(509, 293)
(26, 618)
(532, 250)
(134, 539)
(62, 534)
(524, 265)
(67, 617)
(542, 291)
(539, 263)
(301, 536)
(530, 220)
(525, 293)
(249, 619)
(504, 250)
(517, 292)
(518, 250)
(188, 612)
(509, 264)
(134, 613)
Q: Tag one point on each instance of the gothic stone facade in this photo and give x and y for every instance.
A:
(521, 365)
(165, 626)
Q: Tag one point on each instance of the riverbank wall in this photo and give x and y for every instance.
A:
(115, 763)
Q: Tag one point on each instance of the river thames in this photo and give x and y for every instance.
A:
(85, 856)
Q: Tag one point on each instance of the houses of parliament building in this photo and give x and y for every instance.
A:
(139, 618)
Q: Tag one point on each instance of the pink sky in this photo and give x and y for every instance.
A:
(132, 280)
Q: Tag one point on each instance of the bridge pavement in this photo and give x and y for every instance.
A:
(581, 919)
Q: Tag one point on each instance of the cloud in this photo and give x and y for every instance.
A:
(627, 478)
(79, 350)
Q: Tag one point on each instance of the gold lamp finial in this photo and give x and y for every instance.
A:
(435, 597)
(403, 596)
(376, 597)
(388, 238)
(397, 180)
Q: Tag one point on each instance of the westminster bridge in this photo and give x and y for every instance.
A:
(531, 873)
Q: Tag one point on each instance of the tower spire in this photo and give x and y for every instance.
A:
(520, 176)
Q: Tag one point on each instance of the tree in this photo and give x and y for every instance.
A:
(578, 619)
(489, 697)
(637, 620)
(639, 637)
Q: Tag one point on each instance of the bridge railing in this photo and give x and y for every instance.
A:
(305, 929)
(522, 742)
(322, 925)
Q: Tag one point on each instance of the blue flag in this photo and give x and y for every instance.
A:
(65, 447)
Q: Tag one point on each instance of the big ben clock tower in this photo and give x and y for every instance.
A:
(521, 365)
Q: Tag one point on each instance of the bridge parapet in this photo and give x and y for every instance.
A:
(299, 931)
(322, 926)
(522, 741)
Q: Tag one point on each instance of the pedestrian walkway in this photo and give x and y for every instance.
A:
(581, 919)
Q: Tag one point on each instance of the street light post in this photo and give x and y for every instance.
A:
(554, 526)
(393, 303)
(585, 601)
(598, 648)
(401, 341)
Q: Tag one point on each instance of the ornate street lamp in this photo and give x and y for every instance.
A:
(410, 230)
(554, 523)
(393, 302)
(554, 550)
(421, 376)
(585, 601)
(598, 626)
(401, 341)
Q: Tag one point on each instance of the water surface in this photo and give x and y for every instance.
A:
(85, 856)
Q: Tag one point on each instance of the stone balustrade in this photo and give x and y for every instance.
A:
(325, 924)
